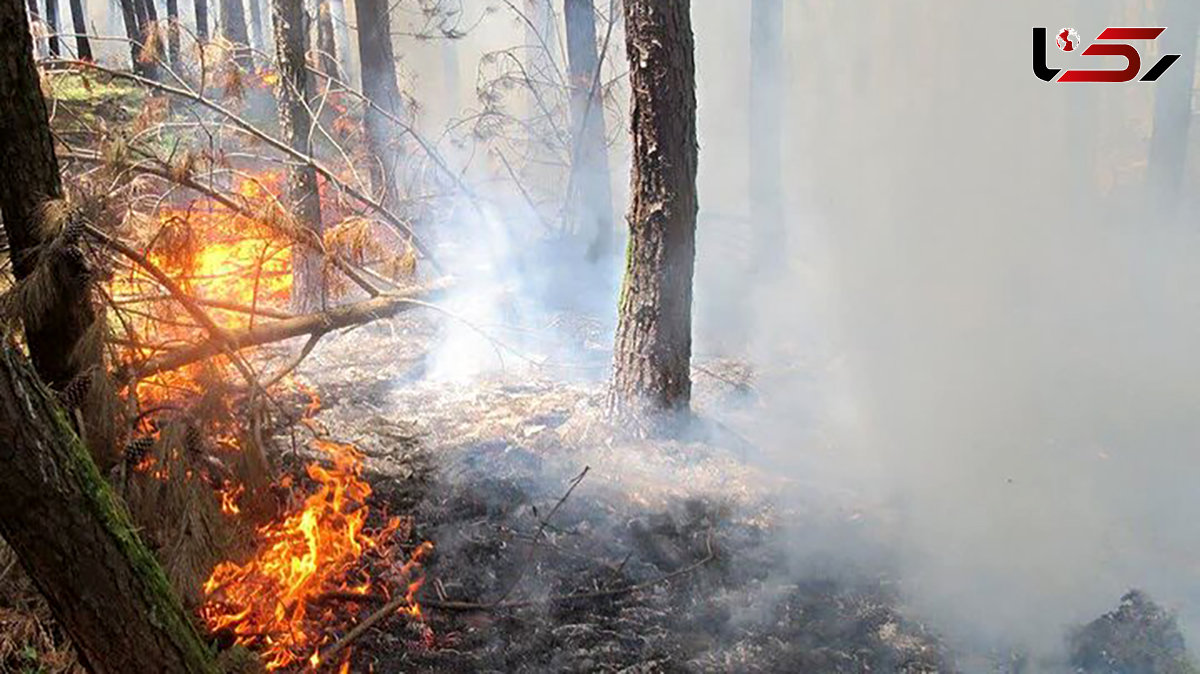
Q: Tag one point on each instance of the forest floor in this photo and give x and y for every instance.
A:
(667, 555)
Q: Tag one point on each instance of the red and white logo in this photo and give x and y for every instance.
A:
(1068, 39)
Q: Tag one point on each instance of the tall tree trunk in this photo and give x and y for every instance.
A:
(326, 43)
(233, 29)
(200, 7)
(258, 40)
(173, 47)
(83, 46)
(65, 315)
(654, 328)
(380, 87)
(35, 16)
(308, 285)
(590, 200)
(1173, 103)
(77, 543)
(52, 27)
(342, 30)
(766, 131)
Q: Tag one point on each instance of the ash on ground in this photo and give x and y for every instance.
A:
(668, 555)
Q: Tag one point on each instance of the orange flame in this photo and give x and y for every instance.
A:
(268, 603)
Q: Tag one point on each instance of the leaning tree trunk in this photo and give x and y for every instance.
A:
(76, 541)
(233, 29)
(308, 285)
(63, 315)
(83, 46)
(201, 9)
(590, 201)
(1173, 103)
(380, 87)
(35, 16)
(766, 131)
(52, 27)
(654, 329)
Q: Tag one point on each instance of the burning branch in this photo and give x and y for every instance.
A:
(318, 323)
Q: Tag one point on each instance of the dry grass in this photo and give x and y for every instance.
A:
(30, 640)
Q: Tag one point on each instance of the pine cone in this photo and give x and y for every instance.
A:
(192, 440)
(73, 231)
(137, 449)
(75, 392)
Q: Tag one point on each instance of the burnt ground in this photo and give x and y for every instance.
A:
(670, 555)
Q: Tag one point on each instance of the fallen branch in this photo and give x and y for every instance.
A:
(336, 318)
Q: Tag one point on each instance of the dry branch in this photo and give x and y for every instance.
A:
(337, 318)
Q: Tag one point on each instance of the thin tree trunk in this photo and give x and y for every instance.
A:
(340, 27)
(83, 46)
(590, 203)
(52, 27)
(304, 200)
(380, 87)
(200, 7)
(77, 543)
(233, 29)
(1173, 103)
(35, 16)
(326, 43)
(30, 168)
(766, 131)
(654, 329)
(256, 25)
(173, 47)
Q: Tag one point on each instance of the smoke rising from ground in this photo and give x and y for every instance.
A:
(984, 336)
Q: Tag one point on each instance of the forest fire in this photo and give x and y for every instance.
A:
(272, 603)
(237, 268)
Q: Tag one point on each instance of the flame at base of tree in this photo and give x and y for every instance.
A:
(272, 602)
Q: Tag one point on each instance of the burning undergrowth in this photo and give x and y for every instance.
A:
(562, 548)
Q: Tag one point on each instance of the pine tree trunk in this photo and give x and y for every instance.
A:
(31, 178)
(259, 40)
(308, 285)
(590, 203)
(200, 7)
(326, 43)
(654, 329)
(83, 46)
(173, 47)
(766, 131)
(340, 21)
(1173, 103)
(52, 27)
(233, 29)
(35, 16)
(76, 541)
(380, 87)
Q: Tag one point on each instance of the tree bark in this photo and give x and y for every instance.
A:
(1173, 103)
(83, 46)
(304, 200)
(258, 40)
(173, 47)
(233, 29)
(54, 329)
(379, 85)
(52, 28)
(766, 131)
(200, 7)
(654, 329)
(326, 43)
(590, 203)
(77, 543)
(35, 16)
